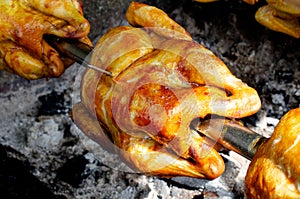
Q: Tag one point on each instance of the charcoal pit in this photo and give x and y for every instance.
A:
(42, 148)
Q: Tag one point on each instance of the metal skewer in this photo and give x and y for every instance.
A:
(233, 136)
(75, 50)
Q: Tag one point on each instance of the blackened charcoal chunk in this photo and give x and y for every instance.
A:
(16, 181)
(53, 103)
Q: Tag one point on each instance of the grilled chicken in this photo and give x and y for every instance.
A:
(24, 23)
(161, 81)
(274, 171)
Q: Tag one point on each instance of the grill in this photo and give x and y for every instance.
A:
(44, 154)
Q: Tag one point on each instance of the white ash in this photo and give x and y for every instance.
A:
(41, 140)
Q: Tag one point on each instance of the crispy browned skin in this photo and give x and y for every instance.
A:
(23, 24)
(274, 171)
(160, 83)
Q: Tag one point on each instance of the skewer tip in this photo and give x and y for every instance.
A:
(98, 69)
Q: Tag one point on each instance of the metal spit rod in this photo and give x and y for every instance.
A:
(233, 136)
(75, 50)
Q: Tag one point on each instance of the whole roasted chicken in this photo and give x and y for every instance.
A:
(161, 80)
(24, 24)
(274, 171)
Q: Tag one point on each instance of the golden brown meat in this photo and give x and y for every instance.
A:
(161, 81)
(24, 23)
(274, 171)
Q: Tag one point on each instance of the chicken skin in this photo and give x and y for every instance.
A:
(24, 23)
(274, 171)
(161, 81)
